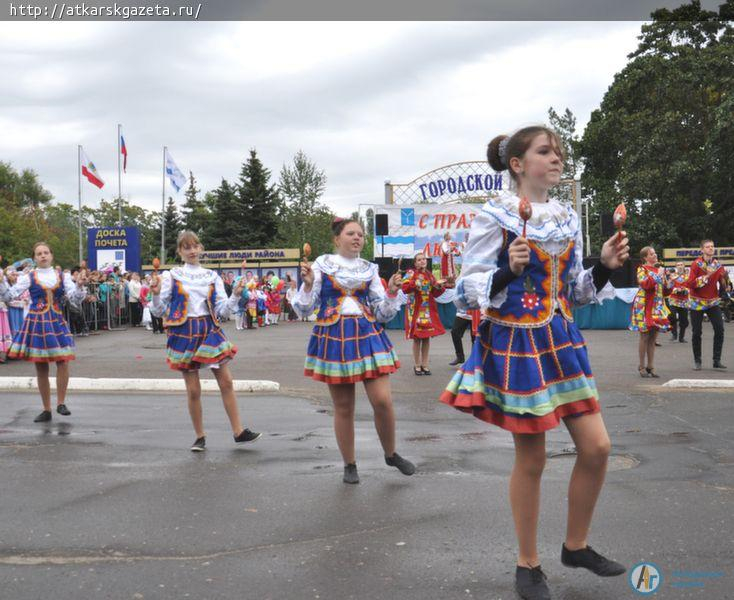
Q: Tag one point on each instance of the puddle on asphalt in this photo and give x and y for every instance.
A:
(428, 437)
(62, 429)
(474, 435)
(617, 462)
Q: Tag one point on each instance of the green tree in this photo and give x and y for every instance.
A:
(22, 190)
(172, 222)
(565, 125)
(317, 229)
(661, 139)
(23, 204)
(227, 222)
(302, 184)
(313, 227)
(301, 216)
(18, 233)
(62, 221)
(195, 214)
(260, 204)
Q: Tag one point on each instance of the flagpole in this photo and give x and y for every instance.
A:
(119, 176)
(163, 210)
(79, 180)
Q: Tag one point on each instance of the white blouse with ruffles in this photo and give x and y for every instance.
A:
(196, 281)
(350, 273)
(552, 226)
(48, 278)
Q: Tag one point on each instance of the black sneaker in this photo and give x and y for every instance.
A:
(404, 466)
(592, 560)
(199, 445)
(43, 417)
(457, 361)
(530, 583)
(696, 366)
(247, 436)
(350, 473)
(718, 365)
(62, 410)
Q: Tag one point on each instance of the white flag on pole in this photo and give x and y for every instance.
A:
(178, 179)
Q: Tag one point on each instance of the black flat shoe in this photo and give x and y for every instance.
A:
(530, 583)
(457, 361)
(426, 371)
(417, 371)
(62, 410)
(404, 466)
(588, 558)
(247, 436)
(199, 445)
(43, 417)
(350, 473)
(651, 372)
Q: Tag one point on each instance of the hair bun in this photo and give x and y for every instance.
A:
(336, 225)
(495, 151)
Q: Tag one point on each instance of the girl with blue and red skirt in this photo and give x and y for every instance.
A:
(44, 337)
(529, 369)
(192, 300)
(348, 344)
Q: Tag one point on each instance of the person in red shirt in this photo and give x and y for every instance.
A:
(704, 279)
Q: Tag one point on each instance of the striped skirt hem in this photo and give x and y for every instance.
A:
(197, 342)
(352, 349)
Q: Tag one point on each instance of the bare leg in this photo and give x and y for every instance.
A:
(525, 494)
(224, 380)
(193, 393)
(593, 447)
(652, 337)
(44, 387)
(380, 396)
(62, 381)
(342, 394)
(425, 348)
(642, 349)
(416, 352)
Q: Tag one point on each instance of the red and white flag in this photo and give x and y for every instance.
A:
(123, 151)
(90, 171)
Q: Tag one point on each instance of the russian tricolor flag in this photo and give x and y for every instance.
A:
(123, 151)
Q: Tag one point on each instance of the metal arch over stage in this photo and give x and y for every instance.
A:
(462, 183)
(471, 181)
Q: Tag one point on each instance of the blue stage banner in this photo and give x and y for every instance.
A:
(108, 247)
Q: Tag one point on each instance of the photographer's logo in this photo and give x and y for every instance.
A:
(645, 578)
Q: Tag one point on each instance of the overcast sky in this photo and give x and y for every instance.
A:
(366, 101)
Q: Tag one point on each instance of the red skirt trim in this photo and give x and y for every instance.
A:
(476, 405)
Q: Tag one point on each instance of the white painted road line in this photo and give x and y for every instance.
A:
(108, 384)
(700, 383)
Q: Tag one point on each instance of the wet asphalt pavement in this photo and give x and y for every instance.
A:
(109, 502)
